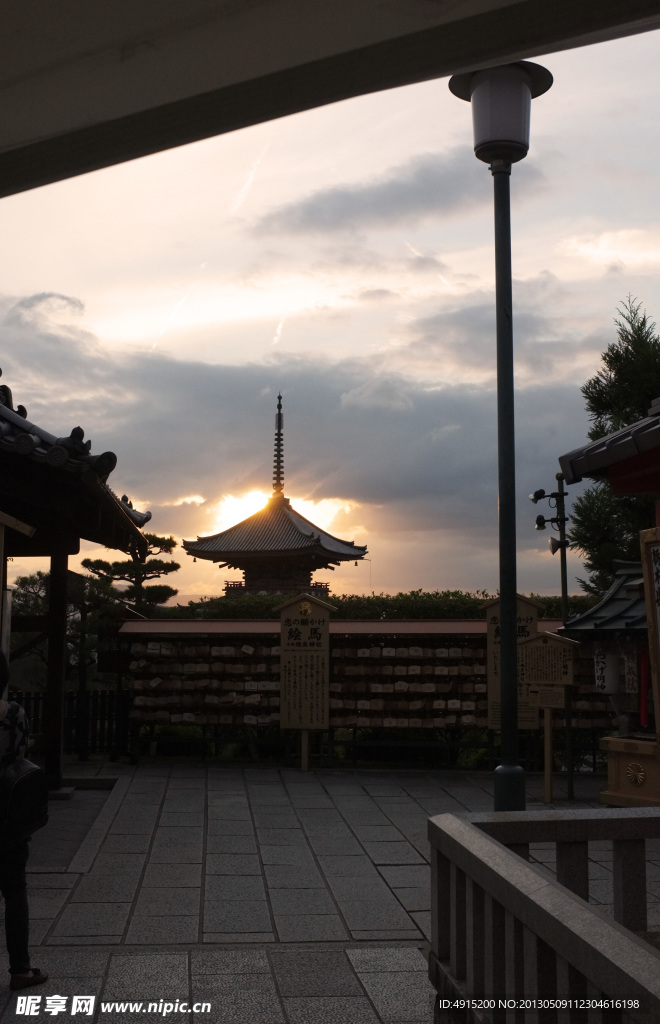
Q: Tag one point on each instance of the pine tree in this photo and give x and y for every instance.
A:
(136, 574)
(605, 527)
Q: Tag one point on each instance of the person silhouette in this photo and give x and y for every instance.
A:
(14, 740)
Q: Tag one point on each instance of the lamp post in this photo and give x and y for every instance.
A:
(500, 98)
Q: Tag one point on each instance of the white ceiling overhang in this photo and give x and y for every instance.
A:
(85, 85)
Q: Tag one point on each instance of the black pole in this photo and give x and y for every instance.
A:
(509, 775)
(568, 702)
(54, 717)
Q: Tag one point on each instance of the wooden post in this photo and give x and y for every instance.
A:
(304, 750)
(547, 755)
(54, 717)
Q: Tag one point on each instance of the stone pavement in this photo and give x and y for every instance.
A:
(277, 897)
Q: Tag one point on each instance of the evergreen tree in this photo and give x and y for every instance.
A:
(605, 527)
(136, 574)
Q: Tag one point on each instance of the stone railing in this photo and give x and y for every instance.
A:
(506, 930)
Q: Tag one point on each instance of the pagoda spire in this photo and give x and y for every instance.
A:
(278, 462)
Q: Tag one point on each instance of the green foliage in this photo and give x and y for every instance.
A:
(417, 604)
(136, 574)
(550, 607)
(622, 391)
(605, 527)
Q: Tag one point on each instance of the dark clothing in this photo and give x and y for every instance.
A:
(13, 862)
(17, 919)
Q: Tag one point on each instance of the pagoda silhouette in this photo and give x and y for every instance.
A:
(277, 549)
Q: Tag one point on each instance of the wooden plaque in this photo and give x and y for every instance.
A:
(528, 714)
(304, 663)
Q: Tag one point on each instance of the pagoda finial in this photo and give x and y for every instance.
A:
(278, 462)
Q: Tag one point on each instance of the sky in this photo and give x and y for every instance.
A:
(342, 256)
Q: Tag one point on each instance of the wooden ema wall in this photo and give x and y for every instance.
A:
(439, 681)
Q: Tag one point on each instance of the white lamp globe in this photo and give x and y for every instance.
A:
(501, 99)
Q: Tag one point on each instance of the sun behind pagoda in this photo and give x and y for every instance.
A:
(276, 548)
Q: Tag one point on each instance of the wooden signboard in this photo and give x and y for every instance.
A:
(304, 663)
(545, 661)
(528, 715)
(545, 669)
(650, 543)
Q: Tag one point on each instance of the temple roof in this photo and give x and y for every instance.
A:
(628, 458)
(621, 608)
(53, 491)
(276, 530)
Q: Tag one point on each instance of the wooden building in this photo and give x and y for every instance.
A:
(53, 494)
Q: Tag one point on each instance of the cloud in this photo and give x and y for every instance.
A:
(426, 185)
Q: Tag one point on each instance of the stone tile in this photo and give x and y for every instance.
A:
(235, 887)
(281, 836)
(330, 1010)
(366, 915)
(422, 919)
(232, 864)
(232, 938)
(418, 898)
(159, 876)
(92, 919)
(167, 901)
(152, 975)
(135, 843)
(231, 844)
(50, 880)
(354, 887)
(310, 928)
(283, 876)
(286, 855)
(301, 901)
(149, 930)
(83, 940)
(223, 827)
(235, 961)
(62, 965)
(97, 888)
(279, 820)
(236, 916)
(399, 996)
(347, 866)
(406, 876)
(239, 1005)
(176, 853)
(46, 903)
(314, 973)
(325, 844)
(180, 819)
(386, 935)
(377, 833)
(393, 853)
(404, 959)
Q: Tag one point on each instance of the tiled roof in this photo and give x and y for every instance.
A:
(275, 529)
(621, 608)
(594, 459)
(119, 524)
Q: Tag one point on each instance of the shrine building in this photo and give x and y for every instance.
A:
(277, 549)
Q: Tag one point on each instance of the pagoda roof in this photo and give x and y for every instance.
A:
(276, 530)
(621, 608)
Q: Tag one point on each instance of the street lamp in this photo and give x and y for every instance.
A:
(500, 98)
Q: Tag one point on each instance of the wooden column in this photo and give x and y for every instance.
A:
(54, 710)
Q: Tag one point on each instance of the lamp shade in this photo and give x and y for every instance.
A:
(501, 99)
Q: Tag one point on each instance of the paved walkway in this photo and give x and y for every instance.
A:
(277, 897)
